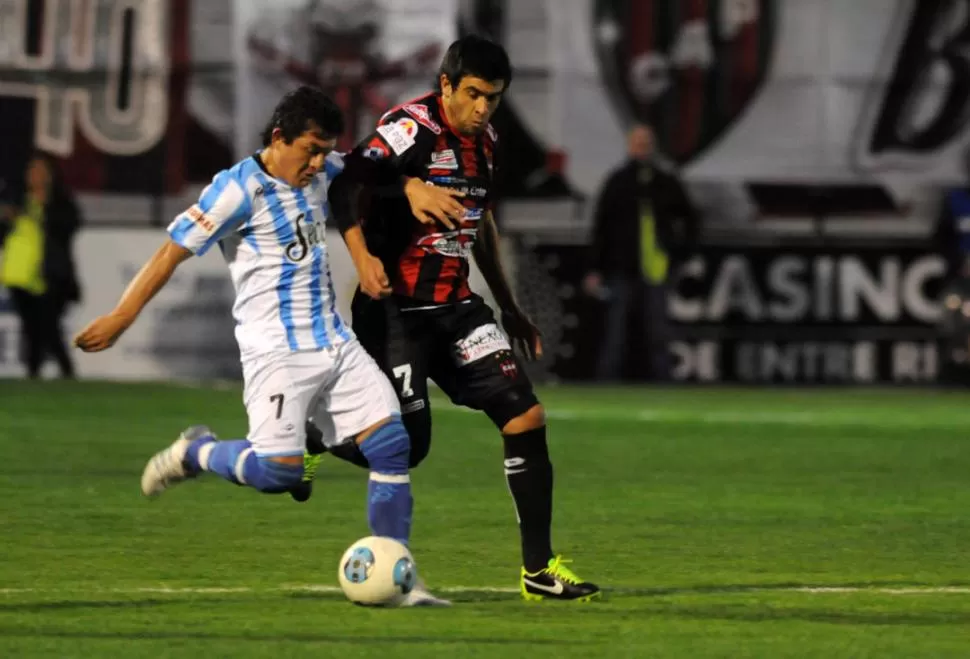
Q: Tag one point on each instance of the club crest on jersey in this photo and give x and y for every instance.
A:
(423, 117)
(376, 150)
(443, 160)
(661, 60)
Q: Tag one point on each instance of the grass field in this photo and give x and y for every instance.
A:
(723, 523)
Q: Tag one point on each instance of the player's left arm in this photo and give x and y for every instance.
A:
(523, 333)
(103, 332)
(222, 207)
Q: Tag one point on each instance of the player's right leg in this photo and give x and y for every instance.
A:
(278, 393)
(360, 409)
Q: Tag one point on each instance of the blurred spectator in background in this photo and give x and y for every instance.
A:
(643, 221)
(953, 242)
(37, 264)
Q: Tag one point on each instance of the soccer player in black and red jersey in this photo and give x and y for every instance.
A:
(414, 311)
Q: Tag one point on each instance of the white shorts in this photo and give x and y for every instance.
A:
(342, 388)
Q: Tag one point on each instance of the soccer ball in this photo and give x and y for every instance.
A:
(377, 571)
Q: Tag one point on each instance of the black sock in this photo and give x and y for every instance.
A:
(350, 452)
(529, 474)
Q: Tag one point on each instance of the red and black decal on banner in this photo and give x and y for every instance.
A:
(688, 67)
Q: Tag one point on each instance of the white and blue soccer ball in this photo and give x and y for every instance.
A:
(377, 571)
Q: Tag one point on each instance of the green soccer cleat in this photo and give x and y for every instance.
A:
(557, 582)
(303, 491)
(312, 456)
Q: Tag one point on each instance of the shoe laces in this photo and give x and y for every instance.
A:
(558, 569)
(310, 464)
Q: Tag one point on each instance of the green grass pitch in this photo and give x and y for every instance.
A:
(723, 523)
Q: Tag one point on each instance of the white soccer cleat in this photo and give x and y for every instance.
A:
(166, 468)
(420, 596)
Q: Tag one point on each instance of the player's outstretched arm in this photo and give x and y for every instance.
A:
(103, 332)
(523, 333)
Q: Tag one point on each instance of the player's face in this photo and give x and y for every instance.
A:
(640, 143)
(470, 107)
(38, 176)
(302, 159)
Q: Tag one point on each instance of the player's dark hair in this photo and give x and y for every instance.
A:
(477, 56)
(300, 108)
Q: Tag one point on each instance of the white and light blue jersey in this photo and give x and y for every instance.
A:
(273, 239)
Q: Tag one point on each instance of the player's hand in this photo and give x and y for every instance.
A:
(524, 334)
(373, 280)
(431, 204)
(102, 333)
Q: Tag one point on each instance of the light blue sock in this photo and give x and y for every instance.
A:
(389, 501)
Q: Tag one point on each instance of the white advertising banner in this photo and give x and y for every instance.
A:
(186, 332)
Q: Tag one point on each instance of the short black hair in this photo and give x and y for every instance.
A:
(477, 56)
(300, 108)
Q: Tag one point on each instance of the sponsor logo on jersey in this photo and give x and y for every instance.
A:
(196, 214)
(307, 234)
(263, 189)
(456, 244)
(397, 136)
(444, 160)
(483, 341)
(423, 117)
(409, 126)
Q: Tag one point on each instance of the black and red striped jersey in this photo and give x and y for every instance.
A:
(426, 263)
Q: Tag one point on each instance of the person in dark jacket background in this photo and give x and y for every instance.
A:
(643, 223)
(36, 237)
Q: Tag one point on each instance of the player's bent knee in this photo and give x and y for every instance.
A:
(534, 417)
(515, 410)
(269, 474)
(388, 448)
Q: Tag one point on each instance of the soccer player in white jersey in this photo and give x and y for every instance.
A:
(266, 214)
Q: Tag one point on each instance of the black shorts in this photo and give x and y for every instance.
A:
(458, 346)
